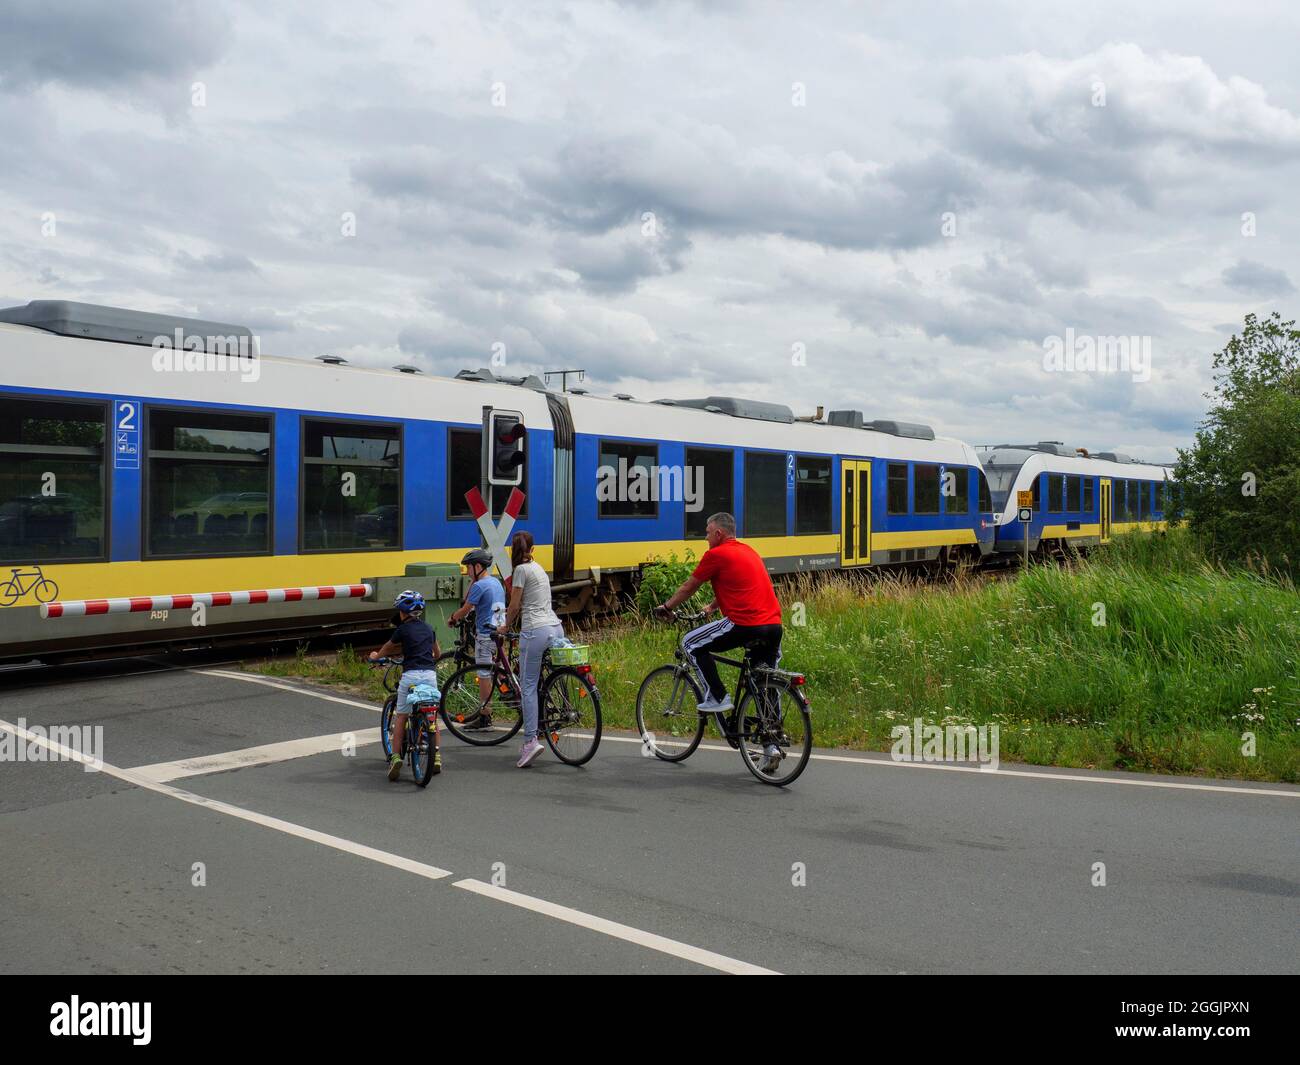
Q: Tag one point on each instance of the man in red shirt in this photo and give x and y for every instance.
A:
(743, 591)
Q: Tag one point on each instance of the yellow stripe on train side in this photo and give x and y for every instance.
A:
(892, 541)
(1064, 532)
(634, 553)
(111, 580)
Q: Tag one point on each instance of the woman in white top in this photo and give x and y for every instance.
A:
(530, 602)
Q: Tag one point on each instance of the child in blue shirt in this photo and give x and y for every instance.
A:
(487, 598)
(418, 646)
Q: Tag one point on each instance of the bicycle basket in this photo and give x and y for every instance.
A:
(573, 655)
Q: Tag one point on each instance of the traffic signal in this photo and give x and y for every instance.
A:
(506, 431)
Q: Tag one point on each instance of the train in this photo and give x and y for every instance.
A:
(147, 454)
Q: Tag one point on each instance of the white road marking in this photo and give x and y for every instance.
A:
(619, 931)
(1077, 778)
(266, 754)
(431, 872)
(285, 687)
(288, 827)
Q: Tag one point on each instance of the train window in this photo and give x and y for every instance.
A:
(986, 497)
(812, 495)
(633, 494)
(464, 471)
(1144, 500)
(765, 493)
(896, 501)
(1072, 494)
(711, 471)
(208, 483)
(351, 486)
(957, 491)
(1038, 492)
(1088, 494)
(51, 480)
(1121, 499)
(1055, 493)
(926, 490)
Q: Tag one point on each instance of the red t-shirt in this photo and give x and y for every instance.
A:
(740, 584)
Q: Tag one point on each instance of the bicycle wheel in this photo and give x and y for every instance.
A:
(461, 709)
(425, 743)
(46, 590)
(568, 711)
(445, 665)
(386, 726)
(11, 592)
(666, 717)
(780, 719)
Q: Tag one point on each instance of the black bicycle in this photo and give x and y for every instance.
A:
(421, 744)
(770, 721)
(568, 702)
(461, 653)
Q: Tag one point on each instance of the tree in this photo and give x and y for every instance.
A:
(1241, 476)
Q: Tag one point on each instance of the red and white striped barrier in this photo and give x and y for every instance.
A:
(75, 608)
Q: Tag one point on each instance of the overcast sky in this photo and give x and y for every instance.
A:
(884, 206)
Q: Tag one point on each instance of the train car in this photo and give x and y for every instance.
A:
(1079, 500)
(132, 467)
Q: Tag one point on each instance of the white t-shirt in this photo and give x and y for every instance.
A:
(535, 608)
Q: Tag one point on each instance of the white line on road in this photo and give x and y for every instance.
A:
(563, 913)
(266, 754)
(287, 827)
(285, 687)
(613, 928)
(1077, 778)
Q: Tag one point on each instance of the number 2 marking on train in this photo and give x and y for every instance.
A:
(126, 416)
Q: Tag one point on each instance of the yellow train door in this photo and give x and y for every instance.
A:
(1105, 510)
(855, 512)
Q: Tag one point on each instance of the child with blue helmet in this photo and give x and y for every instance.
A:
(418, 646)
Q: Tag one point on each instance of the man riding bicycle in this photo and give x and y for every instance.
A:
(743, 591)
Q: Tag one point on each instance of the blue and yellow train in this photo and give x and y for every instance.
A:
(143, 454)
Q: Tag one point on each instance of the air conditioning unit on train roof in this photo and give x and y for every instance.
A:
(91, 321)
(737, 408)
(853, 419)
(1113, 456)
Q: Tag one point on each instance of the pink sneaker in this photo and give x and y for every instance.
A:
(528, 753)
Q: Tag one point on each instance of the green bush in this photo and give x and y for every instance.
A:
(661, 577)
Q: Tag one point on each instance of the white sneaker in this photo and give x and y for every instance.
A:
(528, 753)
(711, 705)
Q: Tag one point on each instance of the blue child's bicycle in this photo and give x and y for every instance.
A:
(421, 742)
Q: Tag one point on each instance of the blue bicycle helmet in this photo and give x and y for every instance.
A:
(409, 601)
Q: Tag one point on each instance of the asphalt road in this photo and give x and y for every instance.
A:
(316, 863)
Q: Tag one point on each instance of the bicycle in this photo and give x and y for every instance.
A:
(461, 654)
(15, 587)
(421, 741)
(770, 708)
(568, 703)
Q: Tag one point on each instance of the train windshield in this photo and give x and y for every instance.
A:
(1001, 478)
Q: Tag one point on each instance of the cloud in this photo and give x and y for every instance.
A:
(1256, 279)
(108, 47)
